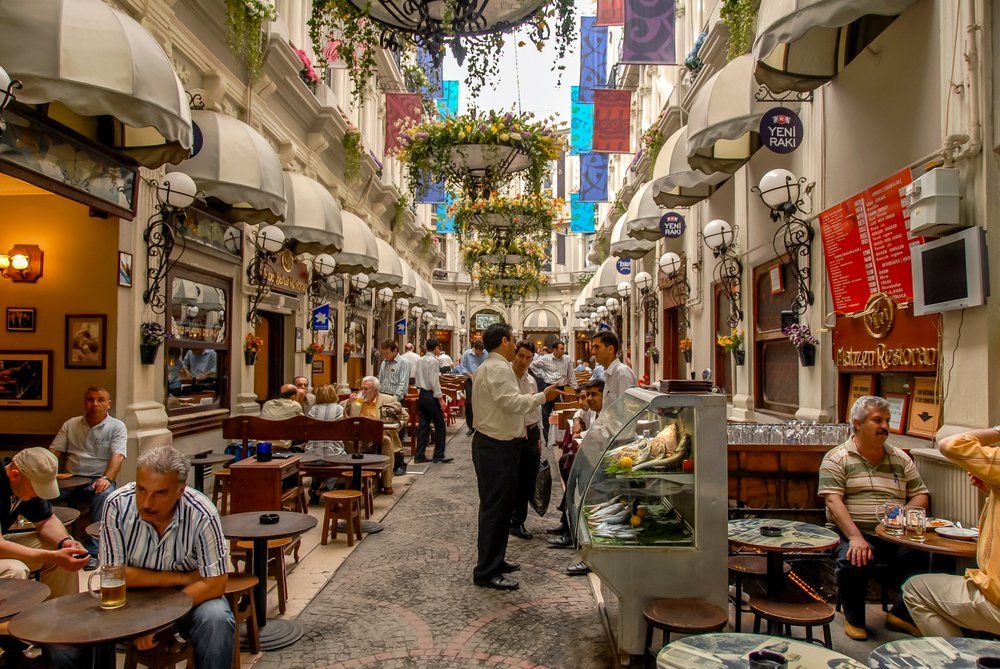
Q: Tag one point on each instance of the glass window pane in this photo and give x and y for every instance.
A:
(197, 311)
(780, 364)
(770, 304)
(193, 377)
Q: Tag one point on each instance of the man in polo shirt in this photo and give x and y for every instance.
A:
(854, 479)
(92, 445)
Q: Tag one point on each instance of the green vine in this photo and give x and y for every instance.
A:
(399, 209)
(584, 278)
(427, 244)
(339, 30)
(353, 151)
(740, 17)
(244, 32)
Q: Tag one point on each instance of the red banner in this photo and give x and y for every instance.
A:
(610, 13)
(400, 108)
(612, 121)
(867, 246)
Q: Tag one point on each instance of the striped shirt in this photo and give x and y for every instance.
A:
(864, 486)
(330, 411)
(193, 538)
(554, 370)
(394, 377)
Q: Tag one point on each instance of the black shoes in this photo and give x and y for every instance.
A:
(471, 431)
(562, 541)
(420, 460)
(509, 567)
(578, 569)
(398, 471)
(520, 531)
(443, 461)
(562, 529)
(497, 583)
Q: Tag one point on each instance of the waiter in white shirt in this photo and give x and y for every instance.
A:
(411, 358)
(430, 404)
(531, 445)
(618, 377)
(500, 408)
(553, 368)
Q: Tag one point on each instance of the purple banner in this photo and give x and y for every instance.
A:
(593, 177)
(649, 32)
(435, 75)
(593, 57)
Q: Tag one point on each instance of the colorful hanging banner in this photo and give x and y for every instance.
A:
(445, 224)
(581, 215)
(447, 104)
(610, 12)
(434, 74)
(612, 122)
(593, 57)
(594, 177)
(400, 107)
(649, 32)
(581, 125)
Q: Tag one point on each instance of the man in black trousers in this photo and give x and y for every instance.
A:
(500, 409)
(531, 446)
(430, 404)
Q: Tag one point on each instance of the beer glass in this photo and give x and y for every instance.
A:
(916, 525)
(892, 517)
(112, 590)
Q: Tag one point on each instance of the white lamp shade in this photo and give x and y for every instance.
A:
(717, 233)
(644, 280)
(777, 187)
(417, 311)
(403, 304)
(192, 311)
(270, 237)
(670, 263)
(602, 311)
(594, 316)
(612, 304)
(231, 240)
(4, 79)
(624, 289)
(324, 264)
(359, 281)
(19, 261)
(177, 190)
(385, 294)
(462, 332)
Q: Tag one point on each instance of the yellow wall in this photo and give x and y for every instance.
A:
(79, 276)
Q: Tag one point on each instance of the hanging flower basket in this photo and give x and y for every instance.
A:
(802, 338)
(251, 345)
(151, 335)
(249, 358)
(525, 217)
(807, 355)
(147, 353)
(740, 357)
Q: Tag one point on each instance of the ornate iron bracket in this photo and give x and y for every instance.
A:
(6, 97)
(729, 274)
(162, 235)
(764, 94)
(680, 290)
(794, 238)
(260, 275)
(650, 307)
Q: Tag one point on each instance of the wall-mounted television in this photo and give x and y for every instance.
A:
(950, 273)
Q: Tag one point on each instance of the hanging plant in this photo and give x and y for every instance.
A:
(427, 243)
(693, 61)
(740, 18)
(508, 283)
(493, 250)
(340, 31)
(529, 216)
(308, 73)
(353, 152)
(244, 32)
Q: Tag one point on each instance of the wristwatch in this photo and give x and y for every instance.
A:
(59, 545)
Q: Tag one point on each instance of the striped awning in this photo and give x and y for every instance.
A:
(541, 319)
(624, 246)
(643, 215)
(675, 182)
(359, 254)
(313, 222)
(390, 270)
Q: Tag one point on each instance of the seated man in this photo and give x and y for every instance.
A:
(854, 479)
(283, 407)
(92, 445)
(25, 485)
(374, 404)
(169, 536)
(942, 604)
(303, 396)
(593, 395)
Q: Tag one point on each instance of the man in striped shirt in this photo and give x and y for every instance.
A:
(394, 374)
(854, 479)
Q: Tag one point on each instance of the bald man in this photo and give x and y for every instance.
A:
(285, 406)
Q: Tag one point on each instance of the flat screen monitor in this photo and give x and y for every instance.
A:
(950, 272)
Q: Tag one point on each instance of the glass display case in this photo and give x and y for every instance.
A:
(647, 500)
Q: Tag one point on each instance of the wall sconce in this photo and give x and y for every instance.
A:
(624, 289)
(782, 193)
(7, 88)
(355, 291)
(720, 237)
(174, 194)
(670, 265)
(267, 243)
(647, 300)
(612, 304)
(23, 263)
(462, 334)
(323, 267)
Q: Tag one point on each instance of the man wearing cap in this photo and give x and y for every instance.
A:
(26, 483)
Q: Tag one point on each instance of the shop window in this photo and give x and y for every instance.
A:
(198, 343)
(723, 359)
(776, 362)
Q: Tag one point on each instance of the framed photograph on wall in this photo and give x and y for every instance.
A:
(86, 341)
(776, 278)
(899, 404)
(125, 269)
(318, 366)
(25, 379)
(20, 319)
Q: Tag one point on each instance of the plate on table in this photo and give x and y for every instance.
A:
(958, 533)
(936, 523)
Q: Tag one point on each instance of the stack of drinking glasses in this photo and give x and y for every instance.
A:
(793, 432)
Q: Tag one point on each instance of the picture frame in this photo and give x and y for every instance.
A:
(125, 269)
(861, 385)
(924, 414)
(20, 319)
(777, 279)
(86, 342)
(899, 404)
(318, 366)
(26, 380)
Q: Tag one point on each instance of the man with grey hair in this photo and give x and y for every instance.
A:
(371, 403)
(854, 479)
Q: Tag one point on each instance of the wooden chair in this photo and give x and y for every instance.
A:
(220, 490)
(276, 550)
(239, 594)
(166, 654)
(356, 430)
(792, 609)
(369, 481)
(683, 616)
(744, 566)
(342, 505)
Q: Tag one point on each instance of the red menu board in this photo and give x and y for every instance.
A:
(867, 246)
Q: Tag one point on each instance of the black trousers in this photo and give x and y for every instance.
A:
(429, 411)
(527, 471)
(495, 462)
(547, 410)
(468, 404)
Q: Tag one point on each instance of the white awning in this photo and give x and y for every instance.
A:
(643, 215)
(675, 182)
(607, 279)
(232, 162)
(580, 308)
(623, 246)
(390, 269)
(422, 297)
(97, 60)
(313, 222)
(541, 319)
(408, 284)
(801, 44)
(436, 305)
(359, 254)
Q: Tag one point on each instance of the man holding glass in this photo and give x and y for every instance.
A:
(855, 479)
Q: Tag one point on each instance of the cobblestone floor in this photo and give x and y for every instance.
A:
(405, 598)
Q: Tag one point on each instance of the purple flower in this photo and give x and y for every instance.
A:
(482, 127)
(423, 135)
(507, 117)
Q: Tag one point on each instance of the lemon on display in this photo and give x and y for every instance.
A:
(625, 462)
(641, 512)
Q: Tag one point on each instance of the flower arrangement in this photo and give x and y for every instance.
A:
(732, 341)
(315, 348)
(685, 345)
(308, 72)
(508, 283)
(531, 215)
(244, 36)
(151, 334)
(653, 352)
(740, 17)
(800, 335)
(252, 344)
(353, 152)
(529, 252)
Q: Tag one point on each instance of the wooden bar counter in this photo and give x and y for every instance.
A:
(773, 476)
(256, 486)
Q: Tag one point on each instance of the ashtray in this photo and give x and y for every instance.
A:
(767, 659)
(771, 530)
(268, 519)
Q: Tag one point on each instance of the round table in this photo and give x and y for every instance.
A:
(66, 515)
(247, 527)
(730, 651)
(94, 529)
(79, 620)
(934, 543)
(73, 482)
(200, 462)
(795, 536)
(932, 653)
(17, 595)
(356, 463)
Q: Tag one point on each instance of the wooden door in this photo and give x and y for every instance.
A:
(670, 344)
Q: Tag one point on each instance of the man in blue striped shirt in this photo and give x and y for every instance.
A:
(471, 360)
(394, 374)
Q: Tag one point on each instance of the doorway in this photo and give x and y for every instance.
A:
(671, 344)
(269, 371)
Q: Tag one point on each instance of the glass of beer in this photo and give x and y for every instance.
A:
(112, 590)
(916, 525)
(892, 517)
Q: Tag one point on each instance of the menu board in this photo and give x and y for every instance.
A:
(867, 246)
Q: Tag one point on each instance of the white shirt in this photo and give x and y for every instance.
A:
(411, 359)
(618, 378)
(444, 360)
(428, 374)
(586, 416)
(527, 385)
(89, 449)
(555, 371)
(497, 402)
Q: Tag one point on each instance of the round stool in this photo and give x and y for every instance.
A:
(342, 505)
(684, 616)
(792, 609)
(94, 529)
(367, 487)
(743, 566)
(239, 594)
(220, 490)
(276, 549)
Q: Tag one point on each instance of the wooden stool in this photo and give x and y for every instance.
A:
(168, 651)
(239, 594)
(294, 499)
(342, 505)
(740, 567)
(276, 549)
(220, 490)
(792, 609)
(684, 616)
(367, 487)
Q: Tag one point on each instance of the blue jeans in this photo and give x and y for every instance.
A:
(86, 495)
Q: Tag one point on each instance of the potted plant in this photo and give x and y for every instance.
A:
(150, 338)
(311, 351)
(802, 339)
(308, 73)
(685, 347)
(733, 342)
(654, 353)
(251, 346)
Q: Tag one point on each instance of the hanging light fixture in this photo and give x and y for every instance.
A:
(624, 289)
(267, 242)
(670, 265)
(323, 267)
(7, 88)
(174, 194)
(647, 300)
(720, 237)
(612, 304)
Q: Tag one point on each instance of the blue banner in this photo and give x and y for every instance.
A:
(593, 57)
(447, 103)
(581, 215)
(445, 223)
(594, 177)
(321, 317)
(401, 326)
(435, 75)
(581, 124)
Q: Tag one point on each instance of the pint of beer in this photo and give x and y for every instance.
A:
(112, 590)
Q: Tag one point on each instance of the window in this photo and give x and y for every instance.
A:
(723, 359)
(198, 343)
(776, 365)
(560, 249)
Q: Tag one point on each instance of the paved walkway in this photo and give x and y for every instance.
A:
(405, 597)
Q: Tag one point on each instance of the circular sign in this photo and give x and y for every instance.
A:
(624, 266)
(199, 140)
(672, 225)
(879, 315)
(781, 130)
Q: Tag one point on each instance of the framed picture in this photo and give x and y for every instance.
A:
(898, 405)
(125, 269)
(86, 341)
(777, 280)
(319, 366)
(925, 409)
(25, 379)
(20, 319)
(861, 385)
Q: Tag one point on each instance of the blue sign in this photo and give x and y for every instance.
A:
(624, 266)
(401, 326)
(321, 317)
(601, 327)
(781, 130)
(672, 225)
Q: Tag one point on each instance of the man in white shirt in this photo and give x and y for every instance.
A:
(500, 408)
(430, 404)
(531, 446)
(445, 363)
(618, 377)
(94, 446)
(304, 397)
(411, 358)
(554, 368)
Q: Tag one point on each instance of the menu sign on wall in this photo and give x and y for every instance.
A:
(867, 246)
